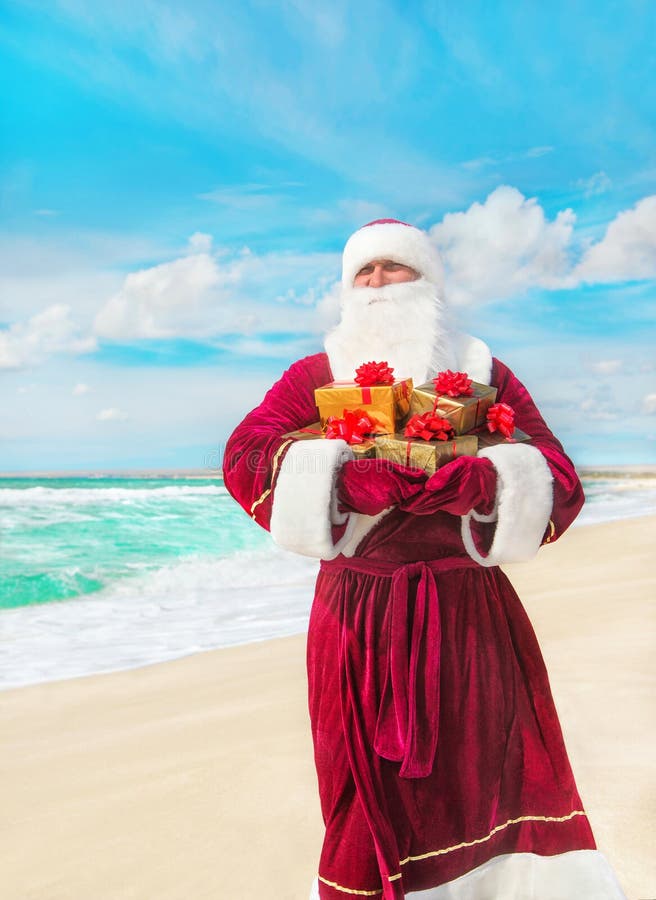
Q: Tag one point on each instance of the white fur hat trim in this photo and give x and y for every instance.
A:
(391, 239)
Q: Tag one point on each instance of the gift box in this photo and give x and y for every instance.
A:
(500, 427)
(387, 404)
(364, 450)
(464, 412)
(487, 438)
(426, 455)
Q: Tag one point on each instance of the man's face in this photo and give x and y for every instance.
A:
(383, 271)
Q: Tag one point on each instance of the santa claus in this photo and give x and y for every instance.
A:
(441, 764)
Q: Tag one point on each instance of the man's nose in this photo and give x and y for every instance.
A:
(377, 278)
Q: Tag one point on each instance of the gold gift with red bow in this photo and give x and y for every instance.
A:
(491, 439)
(428, 442)
(364, 450)
(500, 427)
(487, 438)
(465, 410)
(426, 455)
(387, 404)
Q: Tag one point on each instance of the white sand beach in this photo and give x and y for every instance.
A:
(194, 779)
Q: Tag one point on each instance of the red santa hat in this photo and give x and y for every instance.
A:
(395, 240)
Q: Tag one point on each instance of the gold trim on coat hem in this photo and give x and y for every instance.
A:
(274, 469)
(495, 830)
(345, 890)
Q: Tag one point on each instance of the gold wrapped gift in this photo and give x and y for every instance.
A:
(386, 404)
(488, 438)
(426, 455)
(464, 413)
(365, 450)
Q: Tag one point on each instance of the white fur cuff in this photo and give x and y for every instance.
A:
(304, 499)
(524, 503)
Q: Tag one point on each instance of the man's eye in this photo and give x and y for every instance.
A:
(366, 271)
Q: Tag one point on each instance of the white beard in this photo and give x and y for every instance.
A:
(404, 324)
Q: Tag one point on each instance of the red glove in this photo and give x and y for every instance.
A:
(458, 487)
(371, 485)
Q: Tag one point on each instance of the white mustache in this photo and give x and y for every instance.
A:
(359, 298)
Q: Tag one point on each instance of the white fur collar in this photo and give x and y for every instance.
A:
(473, 356)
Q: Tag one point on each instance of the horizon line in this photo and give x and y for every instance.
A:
(647, 467)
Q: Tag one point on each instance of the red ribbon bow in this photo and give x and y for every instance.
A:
(453, 384)
(501, 417)
(371, 373)
(429, 427)
(353, 428)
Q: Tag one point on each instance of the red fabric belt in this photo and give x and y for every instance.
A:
(408, 715)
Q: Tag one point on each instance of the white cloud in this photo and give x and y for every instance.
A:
(649, 405)
(480, 162)
(503, 247)
(347, 213)
(78, 268)
(51, 331)
(161, 301)
(628, 249)
(203, 295)
(310, 297)
(496, 249)
(329, 306)
(484, 162)
(598, 183)
(80, 388)
(247, 197)
(224, 76)
(199, 242)
(254, 346)
(534, 152)
(112, 414)
(506, 245)
(599, 406)
(606, 366)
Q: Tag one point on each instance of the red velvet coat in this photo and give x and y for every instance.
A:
(437, 744)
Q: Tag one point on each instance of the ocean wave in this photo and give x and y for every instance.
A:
(622, 496)
(195, 576)
(609, 506)
(47, 496)
(621, 486)
(181, 608)
(166, 578)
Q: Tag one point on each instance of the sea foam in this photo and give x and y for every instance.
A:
(182, 608)
(77, 496)
(229, 584)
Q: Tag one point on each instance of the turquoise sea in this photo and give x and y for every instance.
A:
(74, 536)
(102, 573)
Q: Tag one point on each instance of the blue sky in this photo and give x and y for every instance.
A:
(177, 181)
